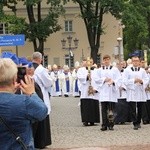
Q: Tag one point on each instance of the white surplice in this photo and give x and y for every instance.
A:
(56, 89)
(82, 74)
(148, 90)
(43, 79)
(75, 88)
(135, 91)
(108, 93)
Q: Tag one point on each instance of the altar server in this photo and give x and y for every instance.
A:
(89, 103)
(122, 108)
(136, 80)
(108, 78)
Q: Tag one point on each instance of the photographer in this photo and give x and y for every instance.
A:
(17, 111)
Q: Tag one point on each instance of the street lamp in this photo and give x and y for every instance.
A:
(119, 39)
(70, 47)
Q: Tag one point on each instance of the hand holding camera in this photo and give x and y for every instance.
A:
(27, 87)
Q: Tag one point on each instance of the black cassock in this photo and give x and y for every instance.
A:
(122, 112)
(90, 110)
(41, 129)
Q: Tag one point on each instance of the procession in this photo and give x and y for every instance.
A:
(74, 74)
(121, 91)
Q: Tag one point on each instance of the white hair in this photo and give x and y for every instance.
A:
(129, 61)
(77, 64)
(36, 55)
(65, 67)
(8, 71)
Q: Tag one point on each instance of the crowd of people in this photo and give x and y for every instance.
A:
(121, 92)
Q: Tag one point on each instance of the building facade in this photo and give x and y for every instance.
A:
(72, 26)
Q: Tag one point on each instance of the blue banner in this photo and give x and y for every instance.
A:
(12, 40)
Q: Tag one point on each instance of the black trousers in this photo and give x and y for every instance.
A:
(148, 109)
(122, 113)
(145, 110)
(136, 112)
(90, 110)
(106, 106)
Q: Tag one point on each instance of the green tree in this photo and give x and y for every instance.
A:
(92, 12)
(136, 18)
(17, 25)
(39, 26)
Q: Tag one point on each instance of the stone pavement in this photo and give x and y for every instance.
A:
(68, 133)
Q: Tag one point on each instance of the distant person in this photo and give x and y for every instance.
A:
(18, 111)
(75, 88)
(56, 88)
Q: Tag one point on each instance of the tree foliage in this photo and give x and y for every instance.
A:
(136, 17)
(17, 25)
(92, 12)
(40, 26)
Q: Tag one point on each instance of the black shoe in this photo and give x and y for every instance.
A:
(111, 128)
(122, 123)
(91, 123)
(145, 122)
(135, 127)
(103, 128)
(139, 126)
(85, 123)
(66, 95)
(77, 96)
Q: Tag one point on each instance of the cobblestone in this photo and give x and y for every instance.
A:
(68, 133)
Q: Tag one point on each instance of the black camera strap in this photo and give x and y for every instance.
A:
(17, 137)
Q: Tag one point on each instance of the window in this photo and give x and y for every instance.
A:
(3, 28)
(68, 26)
(69, 60)
(56, 60)
(72, 61)
(45, 61)
(98, 59)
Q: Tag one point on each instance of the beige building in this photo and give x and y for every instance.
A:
(72, 26)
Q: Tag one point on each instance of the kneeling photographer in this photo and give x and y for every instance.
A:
(17, 112)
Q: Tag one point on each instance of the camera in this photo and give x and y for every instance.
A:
(21, 73)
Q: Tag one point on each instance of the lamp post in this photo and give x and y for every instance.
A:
(119, 39)
(70, 47)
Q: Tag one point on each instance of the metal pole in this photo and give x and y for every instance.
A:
(69, 57)
(16, 15)
(119, 39)
(145, 57)
(119, 52)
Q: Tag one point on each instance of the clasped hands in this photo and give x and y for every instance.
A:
(109, 81)
(137, 80)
